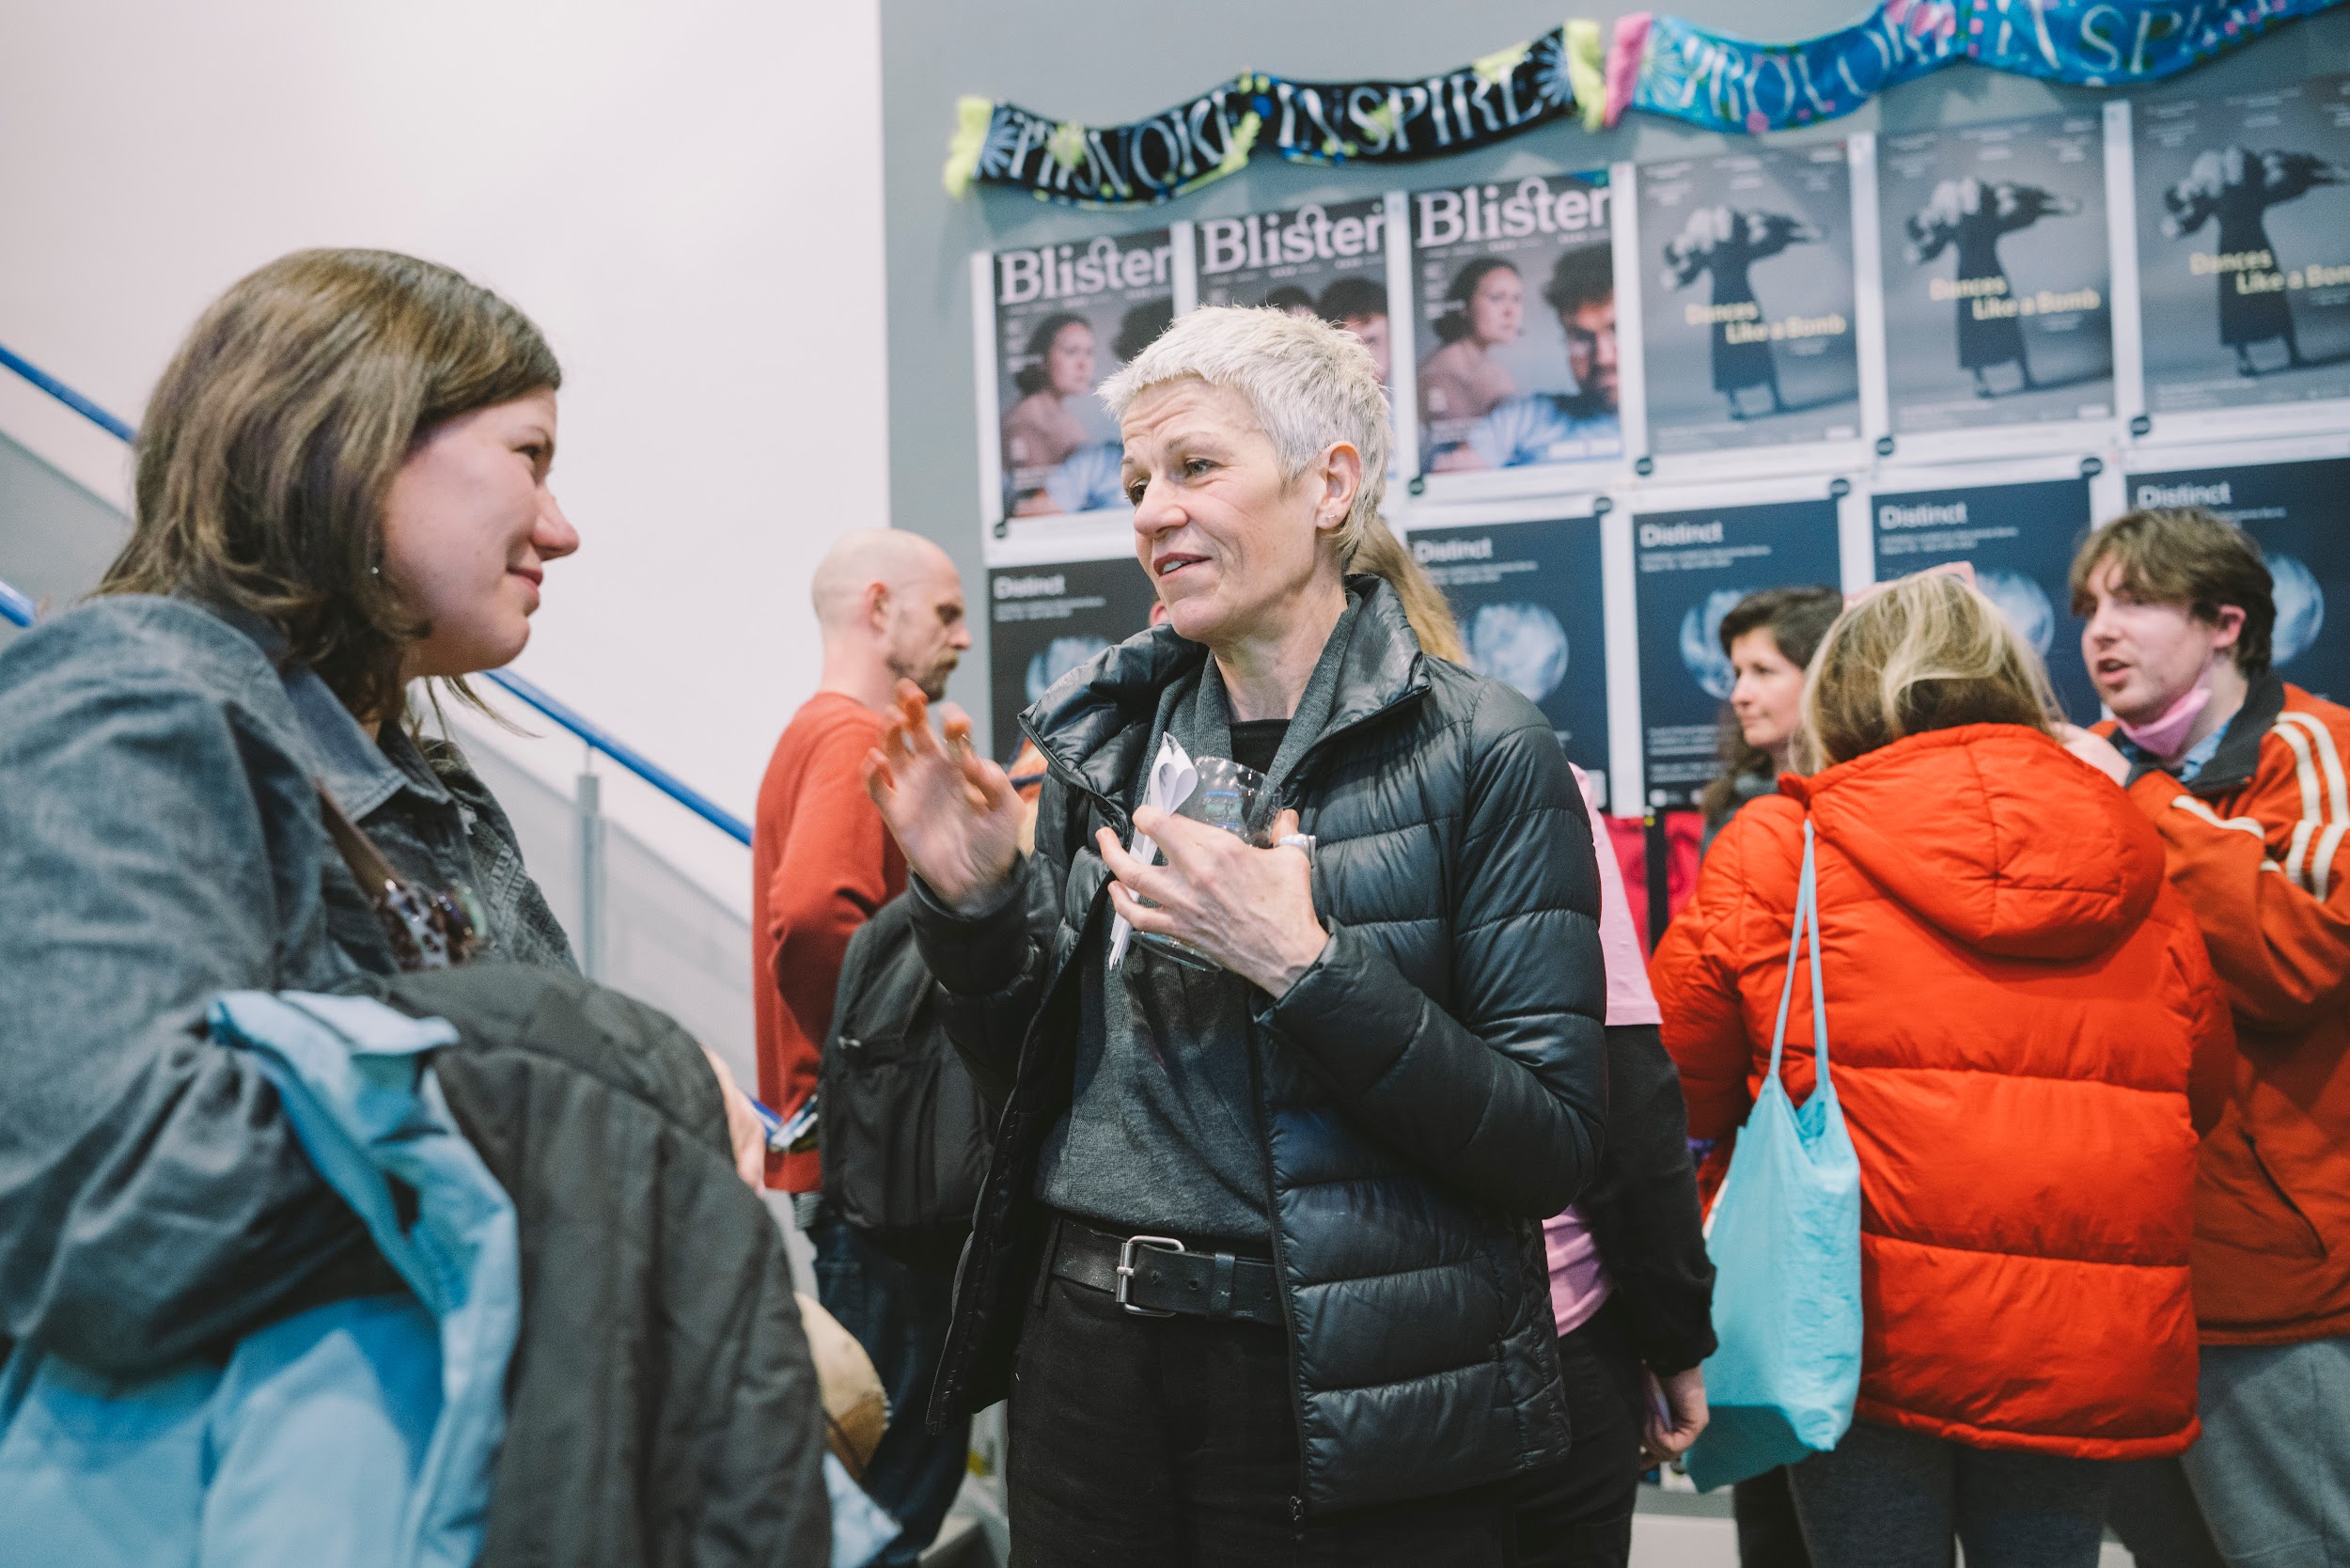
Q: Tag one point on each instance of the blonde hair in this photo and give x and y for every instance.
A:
(1310, 384)
(1385, 556)
(1927, 653)
(270, 444)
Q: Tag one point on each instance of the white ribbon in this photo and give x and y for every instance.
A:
(1173, 777)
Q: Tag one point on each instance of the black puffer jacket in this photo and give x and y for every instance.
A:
(1430, 1090)
(661, 1410)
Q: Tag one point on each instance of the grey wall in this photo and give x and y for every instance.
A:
(55, 537)
(1108, 62)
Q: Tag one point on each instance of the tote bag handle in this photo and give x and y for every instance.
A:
(1807, 920)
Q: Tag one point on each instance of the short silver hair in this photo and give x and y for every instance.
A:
(1310, 385)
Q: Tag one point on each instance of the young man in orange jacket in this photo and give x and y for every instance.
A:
(2244, 777)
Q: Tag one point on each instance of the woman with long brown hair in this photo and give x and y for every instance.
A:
(213, 783)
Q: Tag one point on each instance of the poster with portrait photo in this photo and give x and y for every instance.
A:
(1998, 275)
(1746, 316)
(1514, 323)
(1046, 620)
(2019, 540)
(2294, 510)
(1066, 317)
(1532, 608)
(1690, 568)
(1327, 260)
(2244, 246)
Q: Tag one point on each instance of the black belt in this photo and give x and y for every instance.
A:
(1157, 1277)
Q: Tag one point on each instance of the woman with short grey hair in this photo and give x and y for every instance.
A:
(1259, 1258)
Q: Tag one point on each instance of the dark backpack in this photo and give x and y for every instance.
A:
(904, 1133)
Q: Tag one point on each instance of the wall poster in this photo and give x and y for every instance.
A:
(1691, 566)
(1067, 316)
(1997, 276)
(1748, 304)
(1532, 609)
(1319, 258)
(1514, 323)
(2244, 245)
(1044, 622)
(2019, 538)
(2294, 510)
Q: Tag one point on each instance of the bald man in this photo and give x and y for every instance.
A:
(890, 607)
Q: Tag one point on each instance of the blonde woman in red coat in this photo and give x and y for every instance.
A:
(2016, 1003)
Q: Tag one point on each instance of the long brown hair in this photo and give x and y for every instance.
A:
(1927, 653)
(270, 442)
(1797, 618)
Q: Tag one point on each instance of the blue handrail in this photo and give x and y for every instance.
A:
(16, 608)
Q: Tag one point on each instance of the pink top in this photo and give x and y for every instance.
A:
(1579, 1283)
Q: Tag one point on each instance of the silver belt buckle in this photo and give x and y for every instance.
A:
(1126, 1271)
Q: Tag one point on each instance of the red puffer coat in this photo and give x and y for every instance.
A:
(2016, 1003)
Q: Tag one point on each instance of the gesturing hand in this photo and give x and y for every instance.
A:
(1252, 910)
(952, 812)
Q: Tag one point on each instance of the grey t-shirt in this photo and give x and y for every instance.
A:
(1163, 1132)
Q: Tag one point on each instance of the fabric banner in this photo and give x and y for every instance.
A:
(1180, 148)
(1658, 64)
(1665, 66)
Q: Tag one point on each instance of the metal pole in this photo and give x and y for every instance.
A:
(588, 817)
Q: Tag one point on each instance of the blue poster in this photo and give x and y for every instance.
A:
(1532, 612)
(2294, 510)
(2019, 538)
(1044, 622)
(1690, 569)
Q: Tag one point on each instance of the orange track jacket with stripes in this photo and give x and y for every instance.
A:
(2255, 846)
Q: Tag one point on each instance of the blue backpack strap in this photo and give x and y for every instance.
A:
(1806, 921)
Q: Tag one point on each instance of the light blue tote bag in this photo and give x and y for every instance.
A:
(1785, 1241)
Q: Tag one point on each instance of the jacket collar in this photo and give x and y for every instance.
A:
(1097, 716)
(2238, 757)
(348, 763)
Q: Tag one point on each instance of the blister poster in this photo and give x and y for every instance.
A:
(1516, 329)
(1317, 259)
(1067, 317)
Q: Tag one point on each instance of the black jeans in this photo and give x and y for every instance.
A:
(895, 1297)
(1171, 1443)
(1769, 1535)
(1578, 1512)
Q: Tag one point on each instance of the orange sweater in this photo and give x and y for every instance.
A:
(821, 864)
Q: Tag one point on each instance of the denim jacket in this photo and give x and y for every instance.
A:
(161, 843)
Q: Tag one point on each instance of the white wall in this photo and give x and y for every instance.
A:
(686, 196)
